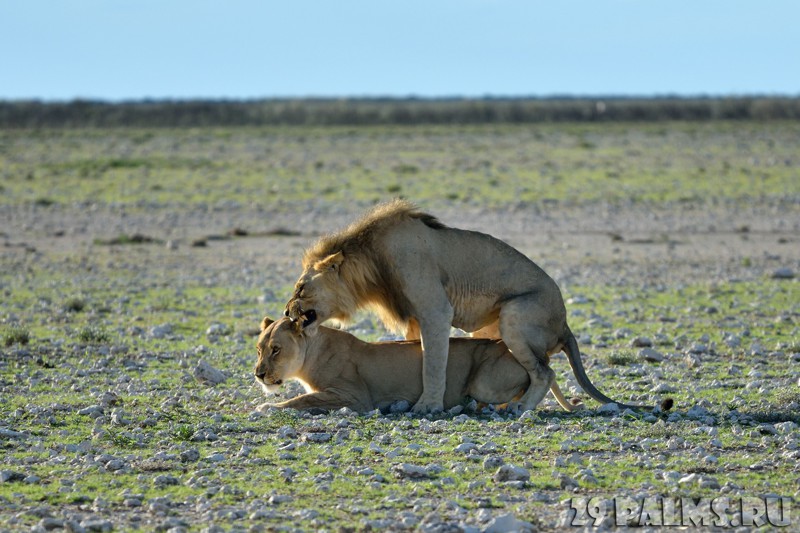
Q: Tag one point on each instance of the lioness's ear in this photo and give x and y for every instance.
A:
(266, 322)
(332, 262)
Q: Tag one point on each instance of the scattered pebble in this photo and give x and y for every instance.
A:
(206, 373)
(783, 273)
(410, 471)
(511, 473)
(650, 355)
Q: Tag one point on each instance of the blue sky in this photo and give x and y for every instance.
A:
(133, 49)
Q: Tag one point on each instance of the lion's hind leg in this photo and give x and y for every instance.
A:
(529, 343)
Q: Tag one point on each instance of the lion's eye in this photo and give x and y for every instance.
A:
(275, 351)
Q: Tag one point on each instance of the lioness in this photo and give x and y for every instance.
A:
(421, 277)
(339, 370)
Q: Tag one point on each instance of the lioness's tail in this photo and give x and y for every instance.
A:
(574, 358)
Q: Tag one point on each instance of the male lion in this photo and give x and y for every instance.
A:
(421, 277)
(339, 370)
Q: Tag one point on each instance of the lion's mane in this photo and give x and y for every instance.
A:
(367, 272)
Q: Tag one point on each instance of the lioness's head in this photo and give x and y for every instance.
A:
(321, 294)
(280, 352)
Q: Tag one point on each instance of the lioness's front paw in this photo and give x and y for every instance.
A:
(264, 406)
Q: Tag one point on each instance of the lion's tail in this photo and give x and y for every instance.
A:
(574, 358)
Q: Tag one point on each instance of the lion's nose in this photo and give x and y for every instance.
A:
(260, 375)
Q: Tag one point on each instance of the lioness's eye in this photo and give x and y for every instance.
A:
(275, 350)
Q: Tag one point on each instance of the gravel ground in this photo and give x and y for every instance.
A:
(159, 483)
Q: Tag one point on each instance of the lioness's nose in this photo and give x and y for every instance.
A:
(261, 375)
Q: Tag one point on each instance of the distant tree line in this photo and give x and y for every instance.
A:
(367, 111)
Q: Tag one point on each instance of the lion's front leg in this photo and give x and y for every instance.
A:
(435, 346)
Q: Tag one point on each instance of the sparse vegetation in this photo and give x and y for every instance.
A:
(102, 416)
(93, 334)
(15, 335)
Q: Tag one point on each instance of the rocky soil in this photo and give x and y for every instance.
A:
(158, 429)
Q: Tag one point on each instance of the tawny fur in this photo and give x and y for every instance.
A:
(420, 277)
(338, 370)
(368, 281)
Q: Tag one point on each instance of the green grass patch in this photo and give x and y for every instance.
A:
(678, 162)
(15, 335)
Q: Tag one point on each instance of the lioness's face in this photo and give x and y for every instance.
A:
(280, 353)
(315, 297)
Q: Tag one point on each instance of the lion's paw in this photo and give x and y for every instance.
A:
(423, 407)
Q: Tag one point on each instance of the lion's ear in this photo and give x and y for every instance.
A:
(266, 322)
(332, 262)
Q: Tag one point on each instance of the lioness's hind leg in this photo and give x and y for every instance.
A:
(567, 405)
(492, 331)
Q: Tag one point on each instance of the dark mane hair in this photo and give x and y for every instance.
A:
(361, 234)
(366, 271)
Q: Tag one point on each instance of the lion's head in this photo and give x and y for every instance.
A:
(320, 294)
(281, 352)
(349, 270)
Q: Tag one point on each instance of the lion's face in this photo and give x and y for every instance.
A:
(319, 293)
(280, 352)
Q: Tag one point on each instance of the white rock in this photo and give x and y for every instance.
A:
(783, 273)
(409, 471)
(511, 473)
(663, 388)
(576, 300)
(608, 409)
(206, 373)
(400, 407)
(698, 348)
(160, 331)
(217, 329)
(642, 342)
(466, 447)
(506, 523)
(287, 432)
(649, 354)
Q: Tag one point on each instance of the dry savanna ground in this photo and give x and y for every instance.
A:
(136, 265)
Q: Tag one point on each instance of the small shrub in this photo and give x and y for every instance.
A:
(405, 168)
(121, 439)
(44, 202)
(16, 335)
(93, 334)
(182, 432)
(620, 359)
(75, 304)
